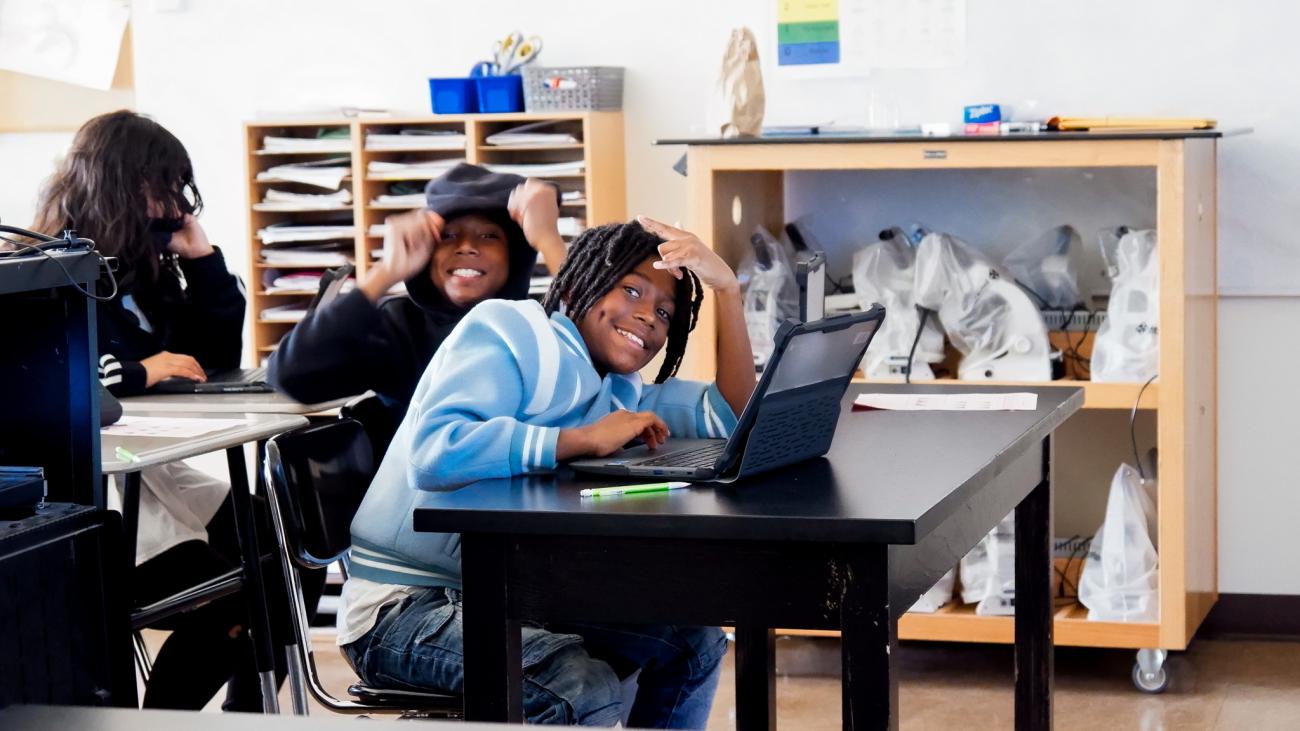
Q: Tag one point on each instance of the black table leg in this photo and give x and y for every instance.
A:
(254, 588)
(755, 679)
(1034, 653)
(130, 517)
(493, 660)
(869, 639)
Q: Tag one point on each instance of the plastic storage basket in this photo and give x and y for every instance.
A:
(558, 88)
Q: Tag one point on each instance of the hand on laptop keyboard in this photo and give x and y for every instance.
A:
(608, 435)
(168, 365)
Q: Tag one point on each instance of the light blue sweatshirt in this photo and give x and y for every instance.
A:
(491, 404)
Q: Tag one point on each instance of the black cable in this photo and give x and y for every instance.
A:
(1041, 299)
(69, 239)
(925, 315)
(1132, 427)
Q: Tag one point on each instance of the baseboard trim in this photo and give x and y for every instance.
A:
(1257, 616)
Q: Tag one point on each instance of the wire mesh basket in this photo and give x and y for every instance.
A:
(559, 88)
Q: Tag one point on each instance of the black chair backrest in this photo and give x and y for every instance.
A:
(379, 419)
(318, 477)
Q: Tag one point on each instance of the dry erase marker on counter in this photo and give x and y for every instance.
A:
(632, 489)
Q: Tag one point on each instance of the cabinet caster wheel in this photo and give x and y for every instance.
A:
(1149, 673)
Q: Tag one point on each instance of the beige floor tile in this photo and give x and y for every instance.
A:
(1215, 685)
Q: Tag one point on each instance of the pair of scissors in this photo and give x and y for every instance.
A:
(514, 51)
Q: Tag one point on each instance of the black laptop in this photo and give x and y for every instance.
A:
(238, 380)
(790, 417)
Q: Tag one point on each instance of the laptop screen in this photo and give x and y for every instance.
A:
(820, 355)
(805, 354)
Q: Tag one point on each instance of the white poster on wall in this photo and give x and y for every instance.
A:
(838, 38)
(76, 41)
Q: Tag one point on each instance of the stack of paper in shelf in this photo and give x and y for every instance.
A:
(416, 139)
(278, 233)
(329, 254)
(305, 144)
(410, 170)
(405, 200)
(378, 229)
(538, 285)
(570, 225)
(540, 281)
(540, 169)
(309, 256)
(328, 173)
(306, 281)
(531, 134)
(573, 198)
(293, 312)
(283, 200)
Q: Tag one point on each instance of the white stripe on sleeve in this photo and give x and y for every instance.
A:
(526, 452)
(548, 362)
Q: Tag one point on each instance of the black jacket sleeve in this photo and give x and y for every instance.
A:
(121, 377)
(210, 324)
(342, 349)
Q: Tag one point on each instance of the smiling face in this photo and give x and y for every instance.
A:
(628, 326)
(472, 262)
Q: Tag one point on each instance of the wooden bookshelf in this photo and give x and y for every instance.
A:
(732, 188)
(602, 182)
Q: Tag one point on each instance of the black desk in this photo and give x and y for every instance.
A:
(848, 542)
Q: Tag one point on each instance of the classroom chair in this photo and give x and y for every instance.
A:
(317, 476)
(378, 419)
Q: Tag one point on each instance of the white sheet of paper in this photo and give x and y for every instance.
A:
(166, 426)
(76, 41)
(949, 401)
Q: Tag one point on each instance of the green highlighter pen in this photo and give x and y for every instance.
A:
(122, 453)
(630, 489)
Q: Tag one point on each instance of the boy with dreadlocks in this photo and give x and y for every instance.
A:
(516, 389)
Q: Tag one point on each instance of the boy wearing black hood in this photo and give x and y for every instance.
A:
(478, 239)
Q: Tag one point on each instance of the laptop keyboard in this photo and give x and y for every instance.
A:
(705, 456)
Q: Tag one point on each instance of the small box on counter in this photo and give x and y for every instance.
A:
(982, 118)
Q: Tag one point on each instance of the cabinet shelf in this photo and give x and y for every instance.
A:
(733, 188)
(960, 623)
(603, 181)
(1095, 395)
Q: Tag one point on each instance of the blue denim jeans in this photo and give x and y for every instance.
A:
(570, 674)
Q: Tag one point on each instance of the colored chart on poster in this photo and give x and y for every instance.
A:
(808, 32)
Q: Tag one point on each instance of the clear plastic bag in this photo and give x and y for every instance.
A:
(771, 293)
(883, 273)
(988, 571)
(1120, 579)
(1043, 266)
(938, 595)
(1127, 348)
(997, 328)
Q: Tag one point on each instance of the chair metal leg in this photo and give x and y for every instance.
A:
(297, 683)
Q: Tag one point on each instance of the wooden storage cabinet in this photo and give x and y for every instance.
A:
(734, 187)
(601, 181)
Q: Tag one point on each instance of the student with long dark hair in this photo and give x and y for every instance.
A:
(127, 183)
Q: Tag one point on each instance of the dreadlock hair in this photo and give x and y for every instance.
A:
(605, 254)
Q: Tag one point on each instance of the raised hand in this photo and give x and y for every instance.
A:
(684, 250)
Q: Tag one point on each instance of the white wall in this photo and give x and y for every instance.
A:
(1259, 423)
(203, 69)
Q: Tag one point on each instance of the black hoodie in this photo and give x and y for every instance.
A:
(195, 307)
(350, 345)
